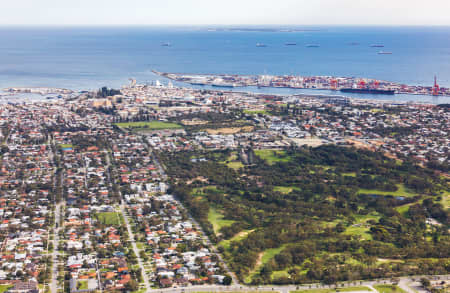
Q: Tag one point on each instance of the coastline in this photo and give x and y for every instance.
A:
(36, 96)
(357, 85)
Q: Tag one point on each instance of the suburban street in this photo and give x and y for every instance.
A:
(135, 248)
(55, 253)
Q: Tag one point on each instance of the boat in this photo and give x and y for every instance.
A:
(223, 84)
(312, 46)
(290, 44)
(167, 44)
(368, 91)
(377, 46)
(261, 45)
(384, 53)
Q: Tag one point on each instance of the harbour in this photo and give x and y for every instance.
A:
(343, 52)
(356, 85)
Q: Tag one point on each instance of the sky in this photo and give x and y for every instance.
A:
(224, 12)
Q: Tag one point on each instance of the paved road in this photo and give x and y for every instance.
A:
(135, 249)
(56, 227)
(288, 288)
(55, 254)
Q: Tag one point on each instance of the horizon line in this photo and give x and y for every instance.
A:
(223, 25)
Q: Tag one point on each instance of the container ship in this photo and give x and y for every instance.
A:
(368, 91)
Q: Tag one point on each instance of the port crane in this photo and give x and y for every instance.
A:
(435, 87)
(334, 84)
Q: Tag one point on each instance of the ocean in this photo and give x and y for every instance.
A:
(83, 58)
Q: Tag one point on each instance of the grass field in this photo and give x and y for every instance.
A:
(272, 156)
(359, 227)
(150, 125)
(235, 165)
(388, 289)
(267, 255)
(256, 112)
(109, 218)
(200, 191)
(216, 219)
(285, 189)
(446, 200)
(82, 285)
(238, 237)
(352, 289)
(403, 209)
(233, 161)
(401, 191)
(279, 274)
(4, 288)
(351, 174)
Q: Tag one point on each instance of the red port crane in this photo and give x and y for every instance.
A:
(435, 87)
(334, 84)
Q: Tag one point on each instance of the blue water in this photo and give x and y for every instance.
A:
(88, 58)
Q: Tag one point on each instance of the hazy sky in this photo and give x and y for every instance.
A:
(197, 12)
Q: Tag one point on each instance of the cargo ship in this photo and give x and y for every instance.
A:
(226, 85)
(367, 91)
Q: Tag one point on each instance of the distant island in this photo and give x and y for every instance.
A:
(267, 30)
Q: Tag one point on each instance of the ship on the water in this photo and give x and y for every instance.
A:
(368, 91)
(261, 45)
(290, 44)
(312, 46)
(384, 53)
(223, 84)
(377, 46)
(166, 44)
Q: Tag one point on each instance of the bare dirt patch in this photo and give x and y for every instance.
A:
(230, 130)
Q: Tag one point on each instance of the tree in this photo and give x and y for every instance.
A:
(227, 280)
(425, 282)
(132, 285)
